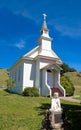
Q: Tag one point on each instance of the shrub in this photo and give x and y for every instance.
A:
(10, 84)
(31, 91)
(68, 85)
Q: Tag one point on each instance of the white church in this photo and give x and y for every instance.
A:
(39, 67)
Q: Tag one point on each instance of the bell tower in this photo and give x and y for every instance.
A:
(45, 40)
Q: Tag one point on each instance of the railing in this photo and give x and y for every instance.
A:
(48, 88)
(57, 85)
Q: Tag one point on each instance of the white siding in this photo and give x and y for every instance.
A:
(37, 82)
(44, 62)
(17, 75)
(45, 91)
(29, 74)
(46, 45)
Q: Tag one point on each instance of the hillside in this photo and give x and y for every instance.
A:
(3, 77)
(76, 80)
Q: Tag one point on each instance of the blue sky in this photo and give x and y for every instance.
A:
(21, 21)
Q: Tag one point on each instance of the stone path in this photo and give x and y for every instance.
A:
(70, 99)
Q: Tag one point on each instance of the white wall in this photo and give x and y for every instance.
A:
(37, 80)
(44, 89)
(46, 45)
(44, 62)
(29, 74)
(17, 75)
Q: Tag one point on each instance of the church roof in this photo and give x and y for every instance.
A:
(34, 54)
(52, 67)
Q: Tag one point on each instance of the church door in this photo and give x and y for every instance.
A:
(50, 79)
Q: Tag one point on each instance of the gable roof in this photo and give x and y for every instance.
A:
(35, 53)
(52, 67)
(32, 54)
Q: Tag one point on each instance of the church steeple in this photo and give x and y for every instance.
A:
(44, 40)
(44, 30)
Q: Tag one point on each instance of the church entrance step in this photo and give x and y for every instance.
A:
(53, 90)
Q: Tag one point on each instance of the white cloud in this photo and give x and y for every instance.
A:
(67, 27)
(69, 31)
(20, 44)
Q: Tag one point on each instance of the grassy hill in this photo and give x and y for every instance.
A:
(76, 80)
(3, 77)
(26, 113)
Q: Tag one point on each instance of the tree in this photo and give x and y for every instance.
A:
(10, 84)
(68, 85)
(66, 68)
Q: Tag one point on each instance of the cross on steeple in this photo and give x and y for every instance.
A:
(44, 16)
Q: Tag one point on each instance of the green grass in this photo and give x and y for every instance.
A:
(20, 113)
(73, 114)
(78, 98)
(26, 113)
(77, 90)
(74, 78)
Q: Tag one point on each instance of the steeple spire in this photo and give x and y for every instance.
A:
(44, 26)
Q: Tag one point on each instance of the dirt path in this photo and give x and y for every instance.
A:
(70, 99)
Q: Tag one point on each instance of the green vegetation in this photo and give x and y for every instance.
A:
(3, 77)
(10, 83)
(73, 114)
(74, 76)
(77, 91)
(26, 113)
(21, 113)
(31, 91)
(76, 80)
(68, 85)
(66, 68)
(77, 97)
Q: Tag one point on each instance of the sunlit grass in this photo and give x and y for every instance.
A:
(74, 78)
(20, 113)
(26, 113)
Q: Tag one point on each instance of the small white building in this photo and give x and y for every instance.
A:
(39, 68)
